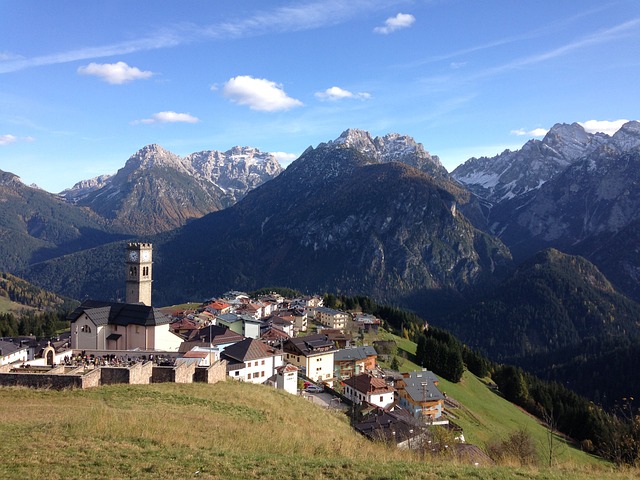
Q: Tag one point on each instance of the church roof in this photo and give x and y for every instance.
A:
(114, 313)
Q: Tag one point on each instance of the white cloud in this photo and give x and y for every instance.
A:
(285, 158)
(258, 94)
(604, 126)
(536, 132)
(114, 73)
(391, 24)
(337, 93)
(7, 139)
(169, 117)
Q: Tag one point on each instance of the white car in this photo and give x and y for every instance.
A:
(314, 389)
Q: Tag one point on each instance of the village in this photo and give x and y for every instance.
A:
(294, 344)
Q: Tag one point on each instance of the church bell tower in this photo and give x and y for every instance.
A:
(138, 263)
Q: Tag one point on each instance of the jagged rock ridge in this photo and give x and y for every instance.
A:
(158, 190)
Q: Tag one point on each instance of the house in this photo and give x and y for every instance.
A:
(202, 357)
(332, 318)
(367, 388)
(12, 353)
(251, 360)
(300, 320)
(418, 393)
(367, 323)
(396, 428)
(231, 321)
(184, 327)
(218, 307)
(353, 361)
(273, 337)
(337, 336)
(213, 336)
(287, 378)
(245, 325)
(313, 354)
(98, 325)
(281, 321)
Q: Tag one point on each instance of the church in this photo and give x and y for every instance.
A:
(133, 325)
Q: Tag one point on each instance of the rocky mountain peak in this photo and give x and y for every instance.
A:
(153, 156)
(628, 137)
(361, 140)
(84, 187)
(568, 141)
(9, 179)
(392, 147)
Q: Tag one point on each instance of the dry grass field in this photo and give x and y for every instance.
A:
(225, 431)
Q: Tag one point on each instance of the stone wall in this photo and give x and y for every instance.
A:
(136, 374)
(213, 374)
(61, 377)
(48, 380)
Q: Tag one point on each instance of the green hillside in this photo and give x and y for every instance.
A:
(228, 430)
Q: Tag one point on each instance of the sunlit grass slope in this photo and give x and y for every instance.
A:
(228, 430)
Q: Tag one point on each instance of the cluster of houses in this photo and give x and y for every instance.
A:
(287, 343)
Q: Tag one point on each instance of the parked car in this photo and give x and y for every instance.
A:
(314, 389)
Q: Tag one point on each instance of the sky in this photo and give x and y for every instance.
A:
(86, 84)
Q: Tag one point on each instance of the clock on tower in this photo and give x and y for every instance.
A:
(138, 273)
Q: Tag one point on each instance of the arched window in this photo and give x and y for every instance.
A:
(86, 329)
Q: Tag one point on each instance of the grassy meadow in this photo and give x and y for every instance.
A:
(229, 430)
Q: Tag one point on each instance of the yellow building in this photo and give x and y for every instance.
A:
(313, 354)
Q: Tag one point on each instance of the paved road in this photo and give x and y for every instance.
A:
(325, 400)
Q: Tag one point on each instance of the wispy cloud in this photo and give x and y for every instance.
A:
(337, 93)
(8, 139)
(536, 132)
(296, 17)
(604, 126)
(603, 36)
(391, 24)
(258, 94)
(114, 73)
(168, 117)
(160, 40)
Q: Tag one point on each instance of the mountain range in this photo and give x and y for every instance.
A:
(157, 191)
(553, 226)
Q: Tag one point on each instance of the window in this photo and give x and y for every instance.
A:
(86, 329)
(262, 374)
(381, 398)
(137, 328)
(262, 363)
(237, 373)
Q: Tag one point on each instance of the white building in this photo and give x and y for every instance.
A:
(366, 388)
(251, 361)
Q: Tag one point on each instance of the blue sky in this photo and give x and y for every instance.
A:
(85, 84)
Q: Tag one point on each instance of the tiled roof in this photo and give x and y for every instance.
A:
(274, 334)
(249, 349)
(357, 353)
(196, 354)
(421, 386)
(368, 384)
(215, 335)
(288, 368)
(7, 348)
(310, 345)
(113, 313)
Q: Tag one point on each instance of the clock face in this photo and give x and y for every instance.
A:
(146, 255)
(133, 255)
